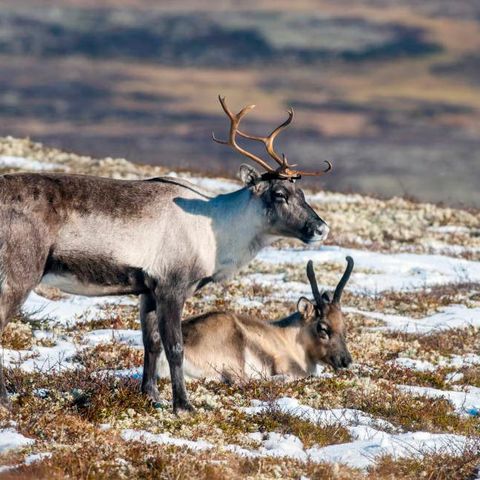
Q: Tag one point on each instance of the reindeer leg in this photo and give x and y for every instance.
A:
(169, 311)
(153, 347)
(23, 253)
(10, 303)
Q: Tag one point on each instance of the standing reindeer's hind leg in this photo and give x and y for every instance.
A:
(152, 343)
(23, 253)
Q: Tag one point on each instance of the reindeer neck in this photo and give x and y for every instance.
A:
(240, 228)
(290, 329)
(291, 321)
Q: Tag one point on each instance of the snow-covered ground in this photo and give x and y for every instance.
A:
(453, 316)
(399, 272)
(10, 439)
(65, 331)
(368, 443)
(71, 309)
(371, 437)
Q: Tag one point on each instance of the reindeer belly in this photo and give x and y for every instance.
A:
(92, 276)
(190, 371)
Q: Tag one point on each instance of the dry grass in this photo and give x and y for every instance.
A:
(64, 411)
(436, 466)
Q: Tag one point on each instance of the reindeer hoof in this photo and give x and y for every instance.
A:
(5, 403)
(183, 408)
(156, 400)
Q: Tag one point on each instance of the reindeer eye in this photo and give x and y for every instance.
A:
(322, 331)
(280, 196)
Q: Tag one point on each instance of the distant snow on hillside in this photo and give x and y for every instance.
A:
(27, 164)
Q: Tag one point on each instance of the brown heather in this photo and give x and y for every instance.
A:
(64, 412)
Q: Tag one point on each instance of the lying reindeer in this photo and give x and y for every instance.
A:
(227, 347)
(162, 239)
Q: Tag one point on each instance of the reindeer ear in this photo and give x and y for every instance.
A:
(306, 308)
(248, 175)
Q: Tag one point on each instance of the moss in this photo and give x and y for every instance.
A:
(17, 335)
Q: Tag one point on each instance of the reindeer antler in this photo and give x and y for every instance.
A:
(268, 141)
(313, 283)
(343, 281)
(234, 123)
(284, 170)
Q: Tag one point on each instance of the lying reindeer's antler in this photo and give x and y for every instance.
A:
(343, 281)
(284, 170)
(313, 283)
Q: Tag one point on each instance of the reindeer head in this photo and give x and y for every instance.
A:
(324, 326)
(285, 210)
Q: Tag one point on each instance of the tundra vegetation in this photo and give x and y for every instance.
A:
(86, 417)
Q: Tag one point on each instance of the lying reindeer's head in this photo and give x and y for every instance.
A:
(324, 326)
(285, 210)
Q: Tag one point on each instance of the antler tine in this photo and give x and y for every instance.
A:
(268, 141)
(234, 123)
(284, 170)
(313, 283)
(343, 281)
(315, 174)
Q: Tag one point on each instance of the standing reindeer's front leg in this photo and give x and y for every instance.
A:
(169, 311)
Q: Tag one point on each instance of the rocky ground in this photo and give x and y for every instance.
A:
(408, 408)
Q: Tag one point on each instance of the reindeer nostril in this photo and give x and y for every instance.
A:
(346, 361)
(323, 230)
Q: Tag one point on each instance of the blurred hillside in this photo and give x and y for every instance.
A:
(389, 91)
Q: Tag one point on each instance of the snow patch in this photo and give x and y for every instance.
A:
(72, 309)
(413, 364)
(399, 272)
(449, 229)
(108, 335)
(36, 457)
(279, 445)
(454, 361)
(10, 439)
(33, 458)
(367, 446)
(363, 453)
(43, 359)
(453, 316)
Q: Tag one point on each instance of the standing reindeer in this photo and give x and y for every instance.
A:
(162, 239)
(226, 346)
